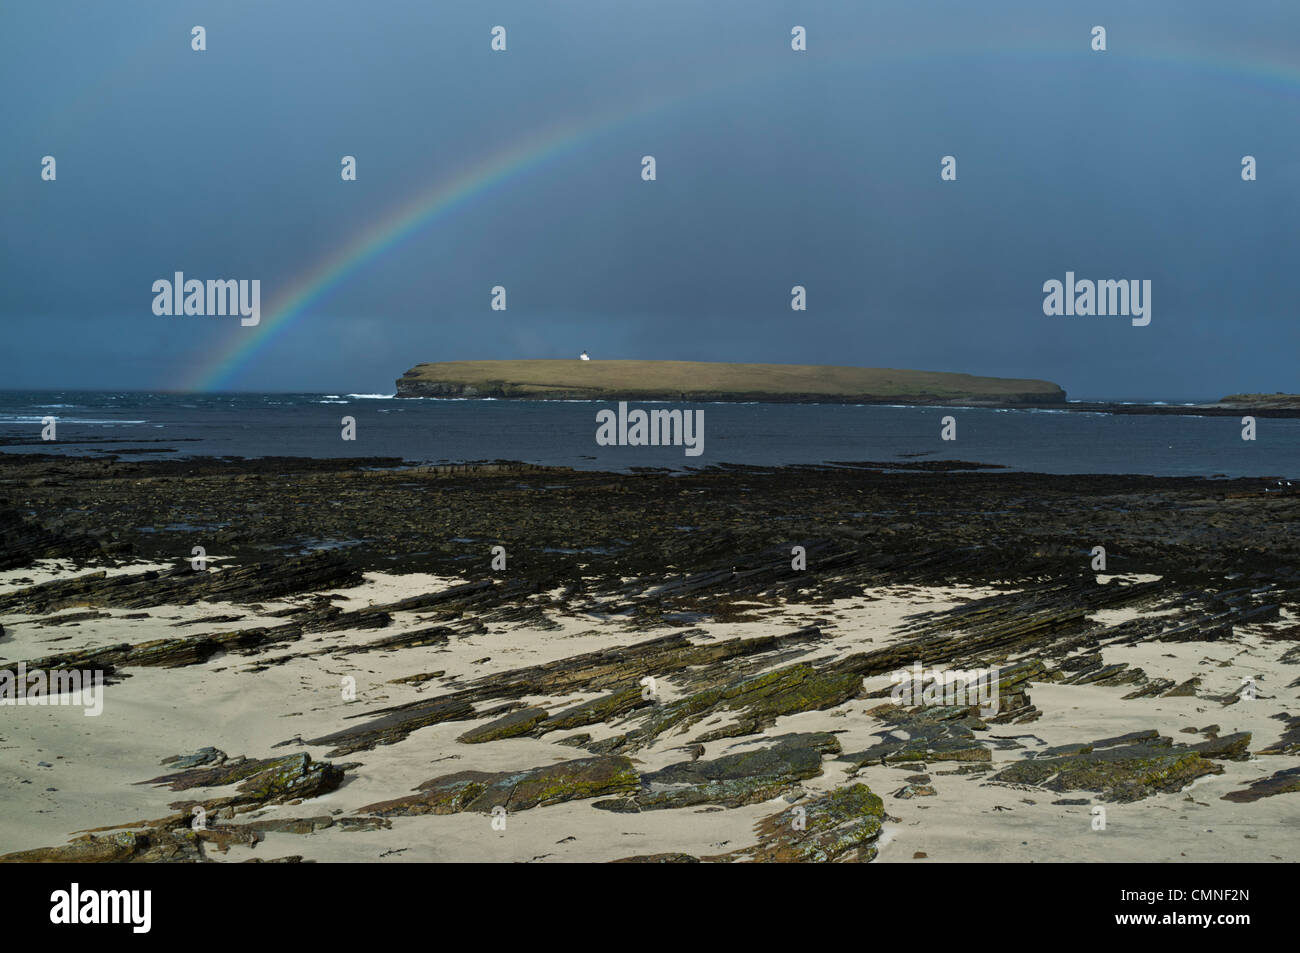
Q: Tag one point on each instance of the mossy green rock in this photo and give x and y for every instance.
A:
(515, 790)
(841, 825)
(935, 733)
(261, 780)
(1127, 767)
(516, 723)
(733, 780)
(1127, 772)
(597, 710)
(758, 700)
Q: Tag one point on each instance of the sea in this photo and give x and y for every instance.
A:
(563, 433)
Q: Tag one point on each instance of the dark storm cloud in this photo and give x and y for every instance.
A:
(775, 168)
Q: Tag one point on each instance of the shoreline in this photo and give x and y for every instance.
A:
(1087, 407)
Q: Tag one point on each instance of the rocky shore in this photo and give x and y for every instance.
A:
(651, 667)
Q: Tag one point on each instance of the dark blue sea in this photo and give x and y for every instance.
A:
(140, 425)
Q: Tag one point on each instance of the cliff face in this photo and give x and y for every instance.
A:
(700, 381)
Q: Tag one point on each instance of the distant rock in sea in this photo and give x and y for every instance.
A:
(1278, 401)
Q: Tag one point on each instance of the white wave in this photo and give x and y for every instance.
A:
(21, 419)
(372, 396)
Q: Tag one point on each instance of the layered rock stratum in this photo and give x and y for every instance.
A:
(651, 678)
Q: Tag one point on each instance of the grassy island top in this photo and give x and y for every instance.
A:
(697, 380)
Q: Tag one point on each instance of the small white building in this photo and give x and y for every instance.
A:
(583, 356)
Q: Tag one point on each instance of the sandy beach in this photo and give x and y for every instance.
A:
(454, 718)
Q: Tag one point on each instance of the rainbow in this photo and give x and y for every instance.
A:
(445, 197)
(319, 281)
(529, 154)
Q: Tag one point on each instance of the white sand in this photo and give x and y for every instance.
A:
(154, 713)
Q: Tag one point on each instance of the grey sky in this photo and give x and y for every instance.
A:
(775, 168)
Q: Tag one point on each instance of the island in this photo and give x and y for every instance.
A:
(709, 381)
(1278, 401)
